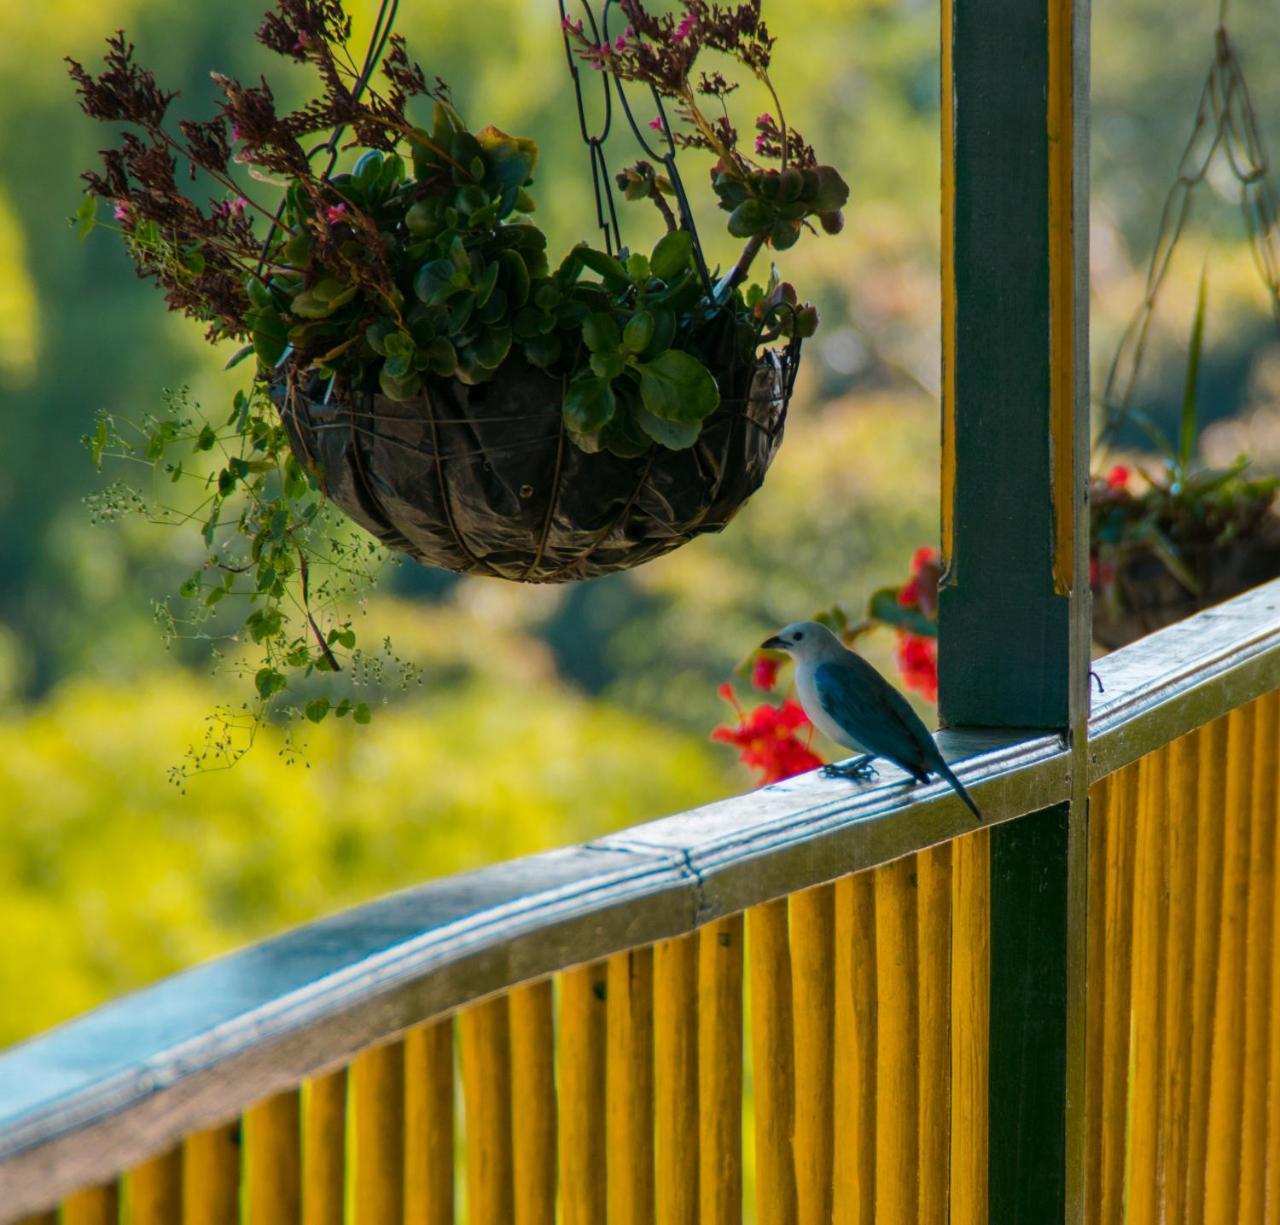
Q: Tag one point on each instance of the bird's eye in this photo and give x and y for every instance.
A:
(799, 635)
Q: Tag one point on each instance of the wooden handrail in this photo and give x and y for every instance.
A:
(121, 1083)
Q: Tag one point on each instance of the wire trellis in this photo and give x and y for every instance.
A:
(1225, 120)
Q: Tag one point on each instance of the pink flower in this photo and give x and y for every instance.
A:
(685, 27)
(656, 124)
(765, 120)
(239, 204)
(122, 210)
(760, 143)
(620, 43)
(235, 131)
(570, 26)
(335, 214)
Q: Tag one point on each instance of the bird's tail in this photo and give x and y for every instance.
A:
(942, 768)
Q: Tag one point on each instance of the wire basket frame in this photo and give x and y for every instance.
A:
(1224, 120)
(484, 479)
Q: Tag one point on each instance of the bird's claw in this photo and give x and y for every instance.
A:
(860, 770)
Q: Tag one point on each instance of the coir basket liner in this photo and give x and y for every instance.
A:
(484, 479)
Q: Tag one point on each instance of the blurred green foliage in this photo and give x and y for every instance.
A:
(545, 715)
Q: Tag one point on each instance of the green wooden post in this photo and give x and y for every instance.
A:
(1014, 609)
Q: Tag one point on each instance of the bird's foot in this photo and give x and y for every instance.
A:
(859, 770)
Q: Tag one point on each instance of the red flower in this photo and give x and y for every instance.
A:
(921, 589)
(926, 555)
(918, 663)
(767, 739)
(764, 673)
(335, 214)
(1118, 477)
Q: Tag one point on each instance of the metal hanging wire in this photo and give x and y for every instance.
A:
(611, 85)
(1224, 120)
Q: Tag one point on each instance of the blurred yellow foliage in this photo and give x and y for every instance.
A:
(110, 878)
(19, 316)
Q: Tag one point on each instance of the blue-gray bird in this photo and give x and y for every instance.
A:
(849, 702)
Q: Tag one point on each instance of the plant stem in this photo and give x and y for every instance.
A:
(743, 266)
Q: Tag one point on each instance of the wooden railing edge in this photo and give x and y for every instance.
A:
(114, 1087)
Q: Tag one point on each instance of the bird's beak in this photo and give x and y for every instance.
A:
(773, 644)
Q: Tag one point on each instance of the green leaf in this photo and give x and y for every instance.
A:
(542, 350)
(600, 332)
(86, 217)
(832, 191)
(98, 443)
(238, 356)
(638, 268)
(751, 217)
(603, 264)
(316, 709)
(638, 333)
(678, 387)
(268, 682)
(1187, 429)
(623, 437)
(434, 281)
(362, 713)
(206, 439)
(672, 255)
(588, 405)
(883, 606)
(674, 435)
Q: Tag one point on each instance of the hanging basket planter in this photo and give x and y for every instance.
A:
(420, 362)
(1146, 596)
(468, 401)
(484, 479)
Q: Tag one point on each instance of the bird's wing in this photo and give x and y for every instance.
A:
(875, 714)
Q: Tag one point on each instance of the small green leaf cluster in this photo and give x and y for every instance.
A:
(775, 204)
(638, 388)
(271, 596)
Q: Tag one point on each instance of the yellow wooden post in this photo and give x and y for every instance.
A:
(1096, 958)
(211, 1176)
(720, 1071)
(1259, 1002)
(485, 1036)
(772, 1062)
(324, 1149)
(155, 1190)
(1122, 814)
(377, 1091)
(1269, 760)
(933, 868)
(854, 1198)
(273, 1160)
(970, 1019)
(897, 1062)
(675, 1047)
(533, 1104)
(97, 1206)
(1180, 823)
(582, 1072)
(1150, 921)
(1226, 1070)
(629, 1088)
(428, 1124)
(813, 994)
(1210, 794)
